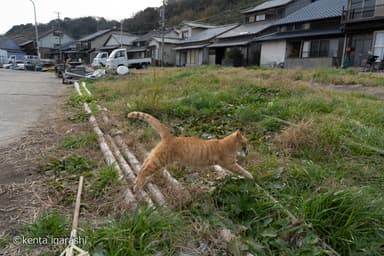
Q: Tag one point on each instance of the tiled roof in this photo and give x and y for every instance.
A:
(299, 34)
(167, 40)
(267, 5)
(321, 9)
(7, 43)
(196, 24)
(244, 30)
(95, 35)
(124, 39)
(209, 34)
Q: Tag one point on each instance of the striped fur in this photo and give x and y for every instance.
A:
(189, 151)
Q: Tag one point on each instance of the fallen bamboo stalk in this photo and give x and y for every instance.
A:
(129, 198)
(155, 193)
(280, 120)
(136, 164)
(142, 195)
(86, 89)
(371, 148)
(77, 87)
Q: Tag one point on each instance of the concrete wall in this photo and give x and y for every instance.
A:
(272, 52)
(308, 62)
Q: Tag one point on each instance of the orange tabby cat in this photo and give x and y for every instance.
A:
(189, 151)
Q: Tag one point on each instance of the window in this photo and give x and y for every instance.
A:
(251, 19)
(378, 47)
(184, 34)
(306, 49)
(316, 49)
(293, 49)
(319, 48)
(260, 17)
(193, 57)
(362, 8)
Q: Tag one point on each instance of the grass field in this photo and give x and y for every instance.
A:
(318, 152)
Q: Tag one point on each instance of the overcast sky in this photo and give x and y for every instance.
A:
(15, 12)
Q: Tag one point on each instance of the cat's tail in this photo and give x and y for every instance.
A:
(155, 123)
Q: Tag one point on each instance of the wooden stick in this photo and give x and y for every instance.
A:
(75, 221)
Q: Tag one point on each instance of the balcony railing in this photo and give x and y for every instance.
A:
(360, 14)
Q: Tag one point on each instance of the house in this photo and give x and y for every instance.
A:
(149, 46)
(155, 45)
(194, 50)
(257, 21)
(11, 47)
(49, 44)
(89, 45)
(363, 23)
(308, 37)
(187, 29)
(51, 40)
(117, 40)
(139, 46)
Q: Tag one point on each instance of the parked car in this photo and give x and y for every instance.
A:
(74, 73)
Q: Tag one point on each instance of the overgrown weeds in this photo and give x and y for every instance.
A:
(351, 221)
(310, 147)
(78, 140)
(148, 231)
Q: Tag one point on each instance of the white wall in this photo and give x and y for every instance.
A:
(50, 40)
(272, 52)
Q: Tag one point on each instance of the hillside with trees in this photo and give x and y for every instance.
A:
(176, 11)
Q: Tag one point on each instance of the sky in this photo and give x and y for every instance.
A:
(16, 12)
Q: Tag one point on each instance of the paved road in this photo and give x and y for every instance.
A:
(24, 98)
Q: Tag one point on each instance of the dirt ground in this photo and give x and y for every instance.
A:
(22, 193)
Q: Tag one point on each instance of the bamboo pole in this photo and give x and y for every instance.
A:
(142, 195)
(122, 165)
(129, 198)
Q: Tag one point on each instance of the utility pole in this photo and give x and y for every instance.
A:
(162, 13)
(59, 34)
(121, 32)
(36, 32)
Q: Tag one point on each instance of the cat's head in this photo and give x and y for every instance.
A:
(241, 141)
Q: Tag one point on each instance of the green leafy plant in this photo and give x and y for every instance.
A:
(104, 178)
(349, 220)
(79, 140)
(68, 165)
(146, 232)
(47, 225)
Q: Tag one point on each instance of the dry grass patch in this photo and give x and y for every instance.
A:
(295, 136)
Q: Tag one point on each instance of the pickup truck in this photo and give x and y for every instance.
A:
(119, 57)
(100, 59)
